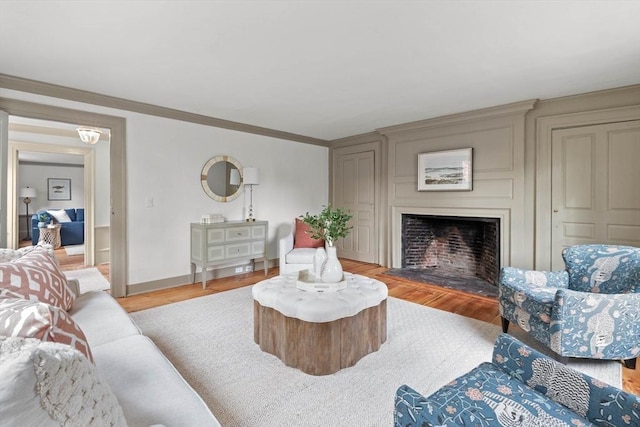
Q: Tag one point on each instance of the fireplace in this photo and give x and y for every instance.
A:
(451, 246)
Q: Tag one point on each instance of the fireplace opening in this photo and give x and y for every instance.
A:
(452, 249)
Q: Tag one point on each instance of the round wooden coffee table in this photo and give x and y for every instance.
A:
(320, 332)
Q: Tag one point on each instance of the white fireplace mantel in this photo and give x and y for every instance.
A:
(504, 215)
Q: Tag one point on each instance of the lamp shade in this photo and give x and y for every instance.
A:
(89, 135)
(28, 192)
(251, 176)
(234, 177)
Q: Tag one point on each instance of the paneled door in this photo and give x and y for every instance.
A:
(355, 191)
(595, 182)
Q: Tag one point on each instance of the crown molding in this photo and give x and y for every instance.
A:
(492, 112)
(78, 95)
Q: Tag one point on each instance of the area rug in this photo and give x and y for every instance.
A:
(74, 250)
(90, 279)
(210, 341)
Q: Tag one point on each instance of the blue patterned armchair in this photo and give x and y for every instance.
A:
(520, 387)
(589, 310)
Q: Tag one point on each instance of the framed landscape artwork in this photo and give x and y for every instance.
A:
(449, 170)
(59, 189)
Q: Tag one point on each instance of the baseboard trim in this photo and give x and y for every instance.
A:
(172, 282)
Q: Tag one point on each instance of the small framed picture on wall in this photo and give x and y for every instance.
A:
(450, 170)
(59, 189)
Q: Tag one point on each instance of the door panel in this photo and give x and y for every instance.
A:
(354, 191)
(595, 186)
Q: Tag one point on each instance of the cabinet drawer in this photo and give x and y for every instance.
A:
(238, 250)
(215, 253)
(237, 233)
(257, 248)
(258, 232)
(215, 235)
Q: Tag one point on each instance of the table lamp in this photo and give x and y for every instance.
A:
(251, 177)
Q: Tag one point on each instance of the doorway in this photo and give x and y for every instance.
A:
(38, 165)
(356, 189)
(117, 175)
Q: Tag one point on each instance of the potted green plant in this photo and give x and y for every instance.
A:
(42, 219)
(330, 225)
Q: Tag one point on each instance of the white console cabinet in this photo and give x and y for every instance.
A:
(222, 243)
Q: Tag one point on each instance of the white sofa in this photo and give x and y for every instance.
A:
(148, 388)
(146, 384)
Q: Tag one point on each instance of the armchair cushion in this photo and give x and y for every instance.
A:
(303, 239)
(300, 256)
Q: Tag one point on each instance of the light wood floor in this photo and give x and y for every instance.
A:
(481, 308)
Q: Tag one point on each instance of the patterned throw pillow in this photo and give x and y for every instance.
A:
(37, 277)
(28, 319)
(49, 384)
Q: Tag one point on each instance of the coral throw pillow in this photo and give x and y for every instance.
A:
(28, 319)
(303, 239)
(36, 277)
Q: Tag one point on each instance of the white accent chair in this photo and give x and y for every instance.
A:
(293, 259)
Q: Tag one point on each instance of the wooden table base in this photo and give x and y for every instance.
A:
(320, 348)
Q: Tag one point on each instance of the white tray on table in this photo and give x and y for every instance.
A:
(308, 282)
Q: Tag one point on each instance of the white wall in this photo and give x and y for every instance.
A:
(36, 176)
(164, 161)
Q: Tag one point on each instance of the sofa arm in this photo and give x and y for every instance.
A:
(600, 326)
(588, 397)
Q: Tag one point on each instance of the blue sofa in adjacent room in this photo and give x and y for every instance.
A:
(520, 387)
(71, 233)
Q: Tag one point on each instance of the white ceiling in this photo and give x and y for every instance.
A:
(325, 69)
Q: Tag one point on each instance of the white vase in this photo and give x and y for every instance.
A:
(332, 270)
(318, 261)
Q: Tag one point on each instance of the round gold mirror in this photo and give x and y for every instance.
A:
(221, 178)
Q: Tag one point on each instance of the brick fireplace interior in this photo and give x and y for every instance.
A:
(458, 250)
